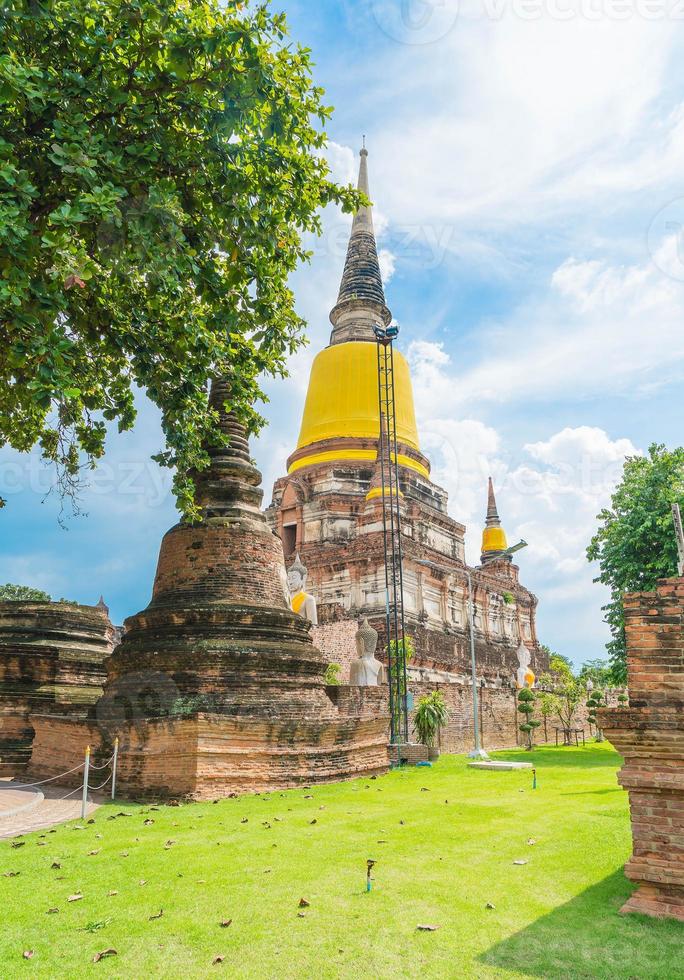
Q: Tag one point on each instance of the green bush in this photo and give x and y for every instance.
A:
(332, 674)
(431, 715)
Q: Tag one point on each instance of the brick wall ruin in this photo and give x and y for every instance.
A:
(51, 659)
(649, 734)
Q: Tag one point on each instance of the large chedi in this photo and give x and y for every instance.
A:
(217, 686)
(329, 506)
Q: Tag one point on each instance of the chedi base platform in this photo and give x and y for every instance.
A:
(217, 687)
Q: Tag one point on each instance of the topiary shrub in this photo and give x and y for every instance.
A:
(526, 700)
(595, 701)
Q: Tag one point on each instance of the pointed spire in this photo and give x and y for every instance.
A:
(361, 300)
(494, 541)
(231, 486)
(493, 519)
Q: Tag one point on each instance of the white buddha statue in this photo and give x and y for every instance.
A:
(366, 671)
(524, 676)
(301, 601)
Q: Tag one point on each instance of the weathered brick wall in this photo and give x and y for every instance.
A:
(649, 734)
(51, 658)
(337, 642)
(202, 563)
(209, 756)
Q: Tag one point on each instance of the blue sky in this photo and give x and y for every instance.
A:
(527, 169)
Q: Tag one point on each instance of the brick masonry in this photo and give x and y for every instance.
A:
(649, 734)
(51, 659)
(217, 687)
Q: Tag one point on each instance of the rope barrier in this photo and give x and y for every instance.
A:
(72, 793)
(101, 786)
(86, 766)
(41, 782)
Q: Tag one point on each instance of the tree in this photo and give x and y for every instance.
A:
(526, 699)
(635, 543)
(564, 696)
(560, 665)
(547, 707)
(598, 671)
(160, 161)
(22, 593)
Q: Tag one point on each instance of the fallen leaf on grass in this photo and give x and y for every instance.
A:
(148, 822)
(143, 881)
(313, 821)
(18, 843)
(531, 841)
(56, 865)
(308, 797)
(158, 915)
(490, 906)
(225, 923)
(93, 853)
(28, 954)
(303, 904)
(41, 843)
(11, 874)
(75, 898)
(51, 911)
(244, 820)
(427, 928)
(110, 894)
(301, 915)
(217, 959)
(424, 789)
(124, 854)
(104, 953)
(520, 861)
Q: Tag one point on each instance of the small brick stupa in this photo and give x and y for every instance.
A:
(649, 735)
(217, 687)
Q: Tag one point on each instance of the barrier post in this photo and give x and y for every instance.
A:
(114, 762)
(86, 769)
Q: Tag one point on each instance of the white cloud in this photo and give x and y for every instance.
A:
(509, 119)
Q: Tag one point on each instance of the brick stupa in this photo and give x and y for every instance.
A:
(217, 687)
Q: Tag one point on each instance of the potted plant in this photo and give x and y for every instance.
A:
(526, 699)
(431, 716)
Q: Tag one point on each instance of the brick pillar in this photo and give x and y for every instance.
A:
(650, 736)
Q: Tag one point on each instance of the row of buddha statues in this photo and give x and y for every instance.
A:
(367, 670)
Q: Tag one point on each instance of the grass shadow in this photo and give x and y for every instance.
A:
(588, 937)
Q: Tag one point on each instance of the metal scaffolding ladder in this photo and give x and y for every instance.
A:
(391, 523)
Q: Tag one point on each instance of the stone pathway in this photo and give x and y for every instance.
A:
(23, 809)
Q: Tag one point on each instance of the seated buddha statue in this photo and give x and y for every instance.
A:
(366, 671)
(524, 676)
(301, 601)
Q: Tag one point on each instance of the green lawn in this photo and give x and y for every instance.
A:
(445, 840)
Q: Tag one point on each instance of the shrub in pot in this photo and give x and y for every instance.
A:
(431, 716)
